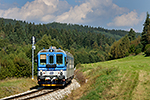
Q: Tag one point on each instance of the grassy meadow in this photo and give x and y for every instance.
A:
(14, 86)
(127, 78)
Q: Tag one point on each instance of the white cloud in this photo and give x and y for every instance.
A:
(88, 11)
(91, 10)
(76, 14)
(61, 11)
(37, 10)
(129, 19)
(47, 18)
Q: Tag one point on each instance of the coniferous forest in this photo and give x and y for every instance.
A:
(87, 44)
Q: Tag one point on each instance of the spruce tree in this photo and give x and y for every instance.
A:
(144, 33)
(2, 25)
(148, 35)
(124, 46)
(131, 34)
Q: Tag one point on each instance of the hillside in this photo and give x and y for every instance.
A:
(116, 34)
(126, 78)
(13, 21)
(87, 44)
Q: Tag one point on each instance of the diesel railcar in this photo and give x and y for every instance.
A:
(55, 67)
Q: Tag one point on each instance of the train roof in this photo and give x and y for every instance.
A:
(53, 49)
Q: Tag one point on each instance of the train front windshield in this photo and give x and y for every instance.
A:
(52, 58)
(59, 59)
(43, 59)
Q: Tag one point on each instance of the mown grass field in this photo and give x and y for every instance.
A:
(127, 78)
(14, 86)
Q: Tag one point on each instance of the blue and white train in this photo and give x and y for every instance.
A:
(55, 67)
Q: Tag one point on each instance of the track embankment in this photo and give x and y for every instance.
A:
(61, 93)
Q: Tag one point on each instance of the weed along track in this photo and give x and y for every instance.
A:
(48, 93)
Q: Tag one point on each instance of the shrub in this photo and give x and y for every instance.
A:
(139, 50)
(127, 54)
(78, 65)
(22, 65)
(132, 48)
(147, 52)
(147, 46)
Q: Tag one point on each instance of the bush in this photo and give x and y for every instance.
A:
(132, 48)
(127, 54)
(147, 46)
(22, 65)
(139, 50)
(147, 52)
(7, 68)
(78, 65)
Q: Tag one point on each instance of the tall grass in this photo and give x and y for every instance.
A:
(13, 86)
(127, 78)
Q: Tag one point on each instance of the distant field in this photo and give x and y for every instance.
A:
(127, 78)
(14, 86)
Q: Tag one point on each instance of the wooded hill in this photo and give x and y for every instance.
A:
(117, 34)
(87, 44)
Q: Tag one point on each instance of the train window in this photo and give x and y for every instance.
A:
(43, 59)
(51, 59)
(66, 62)
(59, 58)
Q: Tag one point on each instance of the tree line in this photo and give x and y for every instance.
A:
(130, 44)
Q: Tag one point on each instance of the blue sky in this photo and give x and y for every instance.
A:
(110, 14)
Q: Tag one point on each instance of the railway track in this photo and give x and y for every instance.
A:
(51, 93)
(30, 94)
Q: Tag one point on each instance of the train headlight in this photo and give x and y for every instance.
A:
(40, 70)
(61, 70)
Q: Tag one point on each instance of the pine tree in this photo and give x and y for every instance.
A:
(144, 33)
(148, 35)
(131, 34)
(2, 25)
(120, 48)
(18, 32)
(124, 46)
(95, 45)
(47, 41)
(115, 50)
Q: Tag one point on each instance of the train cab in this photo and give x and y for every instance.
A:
(55, 67)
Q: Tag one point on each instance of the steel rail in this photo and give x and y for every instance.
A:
(41, 94)
(22, 94)
(30, 94)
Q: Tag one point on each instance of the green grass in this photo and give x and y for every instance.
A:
(129, 63)
(127, 78)
(14, 86)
